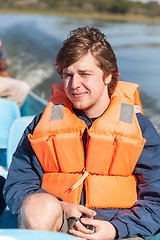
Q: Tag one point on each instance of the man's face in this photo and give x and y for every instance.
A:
(85, 87)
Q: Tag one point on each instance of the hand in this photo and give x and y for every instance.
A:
(74, 210)
(104, 230)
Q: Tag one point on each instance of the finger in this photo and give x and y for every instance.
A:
(81, 228)
(90, 221)
(81, 235)
(89, 212)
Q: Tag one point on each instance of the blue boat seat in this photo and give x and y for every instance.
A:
(9, 111)
(16, 130)
(19, 234)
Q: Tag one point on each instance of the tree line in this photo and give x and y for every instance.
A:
(152, 8)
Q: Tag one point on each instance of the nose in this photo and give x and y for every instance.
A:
(75, 81)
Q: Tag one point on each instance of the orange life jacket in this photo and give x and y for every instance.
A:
(114, 145)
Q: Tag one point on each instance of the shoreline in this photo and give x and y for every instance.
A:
(97, 16)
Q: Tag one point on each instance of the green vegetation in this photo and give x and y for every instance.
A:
(118, 10)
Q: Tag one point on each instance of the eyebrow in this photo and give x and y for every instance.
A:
(80, 71)
(85, 70)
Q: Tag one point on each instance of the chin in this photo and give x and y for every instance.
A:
(80, 107)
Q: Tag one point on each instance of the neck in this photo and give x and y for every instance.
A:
(96, 112)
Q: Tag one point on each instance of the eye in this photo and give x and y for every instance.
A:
(85, 74)
(67, 76)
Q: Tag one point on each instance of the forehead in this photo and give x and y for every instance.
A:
(87, 62)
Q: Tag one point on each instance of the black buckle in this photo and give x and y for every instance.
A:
(72, 221)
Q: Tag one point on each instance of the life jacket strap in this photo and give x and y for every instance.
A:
(79, 182)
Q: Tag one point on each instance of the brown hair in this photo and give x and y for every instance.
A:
(82, 40)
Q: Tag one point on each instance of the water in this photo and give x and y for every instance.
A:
(32, 42)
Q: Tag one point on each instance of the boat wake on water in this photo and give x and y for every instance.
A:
(31, 54)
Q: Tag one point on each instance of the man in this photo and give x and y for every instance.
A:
(92, 157)
(10, 88)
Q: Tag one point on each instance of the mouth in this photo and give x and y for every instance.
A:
(78, 95)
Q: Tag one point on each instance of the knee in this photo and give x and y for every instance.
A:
(41, 211)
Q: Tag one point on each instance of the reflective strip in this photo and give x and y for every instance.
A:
(126, 114)
(57, 112)
(137, 109)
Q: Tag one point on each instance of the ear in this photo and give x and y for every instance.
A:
(108, 79)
